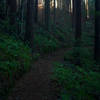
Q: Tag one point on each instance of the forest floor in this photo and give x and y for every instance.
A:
(37, 84)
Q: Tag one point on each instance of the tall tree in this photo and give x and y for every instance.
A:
(2, 9)
(47, 13)
(54, 10)
(29, 22)
(36, 11)
(78, 21)
(87, 8)
(12, 6)
(78, 29)
(73, 13)
(97, 31)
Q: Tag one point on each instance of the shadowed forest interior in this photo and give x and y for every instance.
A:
(49, 49)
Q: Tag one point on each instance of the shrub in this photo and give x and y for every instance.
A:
(45, 44)
(15, 59)
(77, 84)
(85, 56)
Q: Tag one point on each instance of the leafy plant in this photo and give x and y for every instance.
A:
(15, 59)
(85, 55)
(45, 44)
(78, 84)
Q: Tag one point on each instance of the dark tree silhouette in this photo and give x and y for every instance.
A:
(12, 6)
(47, 13)
(97, 31)
(78, 22)
(36, 11)
(77, 29)
(54, 10)
(29, 22)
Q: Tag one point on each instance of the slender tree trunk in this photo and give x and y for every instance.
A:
(87, 9)
(77, 30)
(73, 14)
(36, 11)
(54, 11)
(97, 31)
(47, 13)
(78, 21)
(12, 13)
(3, 10)
(29, 23)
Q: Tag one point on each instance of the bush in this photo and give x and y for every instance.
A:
(85, 56)
(77, 84)
(45, 44)
(15, 59)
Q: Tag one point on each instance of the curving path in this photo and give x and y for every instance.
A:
(36, 85)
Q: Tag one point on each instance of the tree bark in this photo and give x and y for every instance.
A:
(78, 22)
(12, 4)
(29, 36)
(77, 31)
(47, 13)
(54, 11)
(36, 11)
(97, 31)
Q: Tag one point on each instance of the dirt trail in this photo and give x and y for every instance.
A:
(35, 85)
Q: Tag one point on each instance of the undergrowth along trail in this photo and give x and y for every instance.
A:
(36, 85)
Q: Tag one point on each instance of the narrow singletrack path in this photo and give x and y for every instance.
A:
(35, 85)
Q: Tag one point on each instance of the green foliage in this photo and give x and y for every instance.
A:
(78, 84)
(15, 59)
(36, 56)
(85, 55)
(4, 26)
(88, 33)
(63, 33)
(65, 96)
(45, 44)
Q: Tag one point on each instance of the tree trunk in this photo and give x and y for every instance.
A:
(54, 11)
(36, 11)
(12, 4)
(97, 31)
(87, 9)
(47, 13)
(78, 22)
(29, 23)
(77, 30)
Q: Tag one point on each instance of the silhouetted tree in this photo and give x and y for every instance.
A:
(78, 29)
(54, 10)
(78, 21)
(97, 31)
(36, 11)
(47, 13)
(12, 6)
(29, 22)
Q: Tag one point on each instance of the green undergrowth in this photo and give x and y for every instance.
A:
(64, 34)
(85, 55)
(15, 59)
(50, 41)
(46, 43)
(78, 82)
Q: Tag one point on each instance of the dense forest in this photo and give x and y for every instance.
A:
(49, 50)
